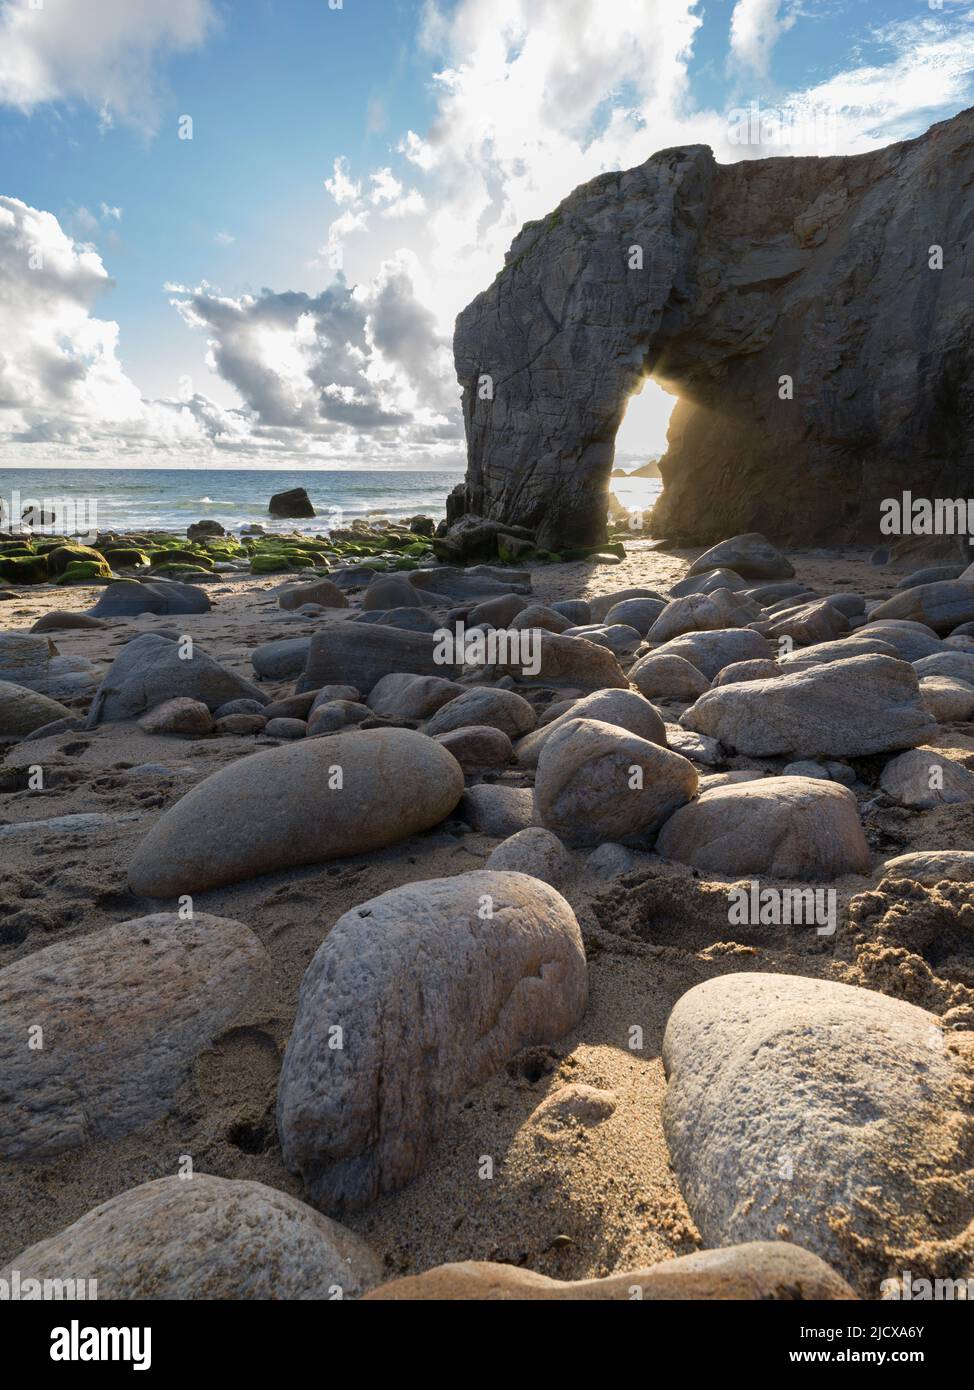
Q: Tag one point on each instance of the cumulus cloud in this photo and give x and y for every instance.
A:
(103, 52)
(756, 26)
(61, 381)
(364, 359)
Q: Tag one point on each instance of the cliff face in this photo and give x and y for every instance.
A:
(818, 270)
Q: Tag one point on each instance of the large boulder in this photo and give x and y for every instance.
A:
(388, 591)
(23, 710)
(922, 780)
(942, 606)
(702, 613)
(533, 851)
(820, 621)
(434, 986)
(710, 652)
(752, 269)
(912, 641)
(479, 582)
(707, 583)
(566, 661)
(478, 747)
(293, 503)
(639, 613)
(948, 700)
(752, 556)
(819, 1112)
(282, 659)
(361, 655)
(624, 709)
(668, 677)
(758, 1270)
(957, 665)
(127, 598)
(824, 653)
(931, 866)
(785, 827)
(151, 669)
(869, 704)
(314, 800)
(602, 605)
(122, 1013)
(596, 782)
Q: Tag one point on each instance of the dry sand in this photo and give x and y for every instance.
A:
(575, 1203)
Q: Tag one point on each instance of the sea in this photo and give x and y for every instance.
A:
(170, 499)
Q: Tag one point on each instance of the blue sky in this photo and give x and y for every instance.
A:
(187, 308)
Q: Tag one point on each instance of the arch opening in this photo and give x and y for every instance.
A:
(635, 484)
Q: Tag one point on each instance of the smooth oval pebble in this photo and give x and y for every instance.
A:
(205, 1237)
(304, 803)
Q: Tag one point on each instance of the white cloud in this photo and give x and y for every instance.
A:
(756, 26)
(60, 375)
(103, 52)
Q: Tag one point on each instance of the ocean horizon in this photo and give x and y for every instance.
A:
(170, 499)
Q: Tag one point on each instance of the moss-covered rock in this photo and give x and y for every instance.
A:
(87, 572)
(61, 559)
(127, 559)
(24, 569)
(174, 556)
(179, 569)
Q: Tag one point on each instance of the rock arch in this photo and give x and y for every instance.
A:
(813, 269)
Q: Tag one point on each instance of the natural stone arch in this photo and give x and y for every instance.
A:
(813, 269)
